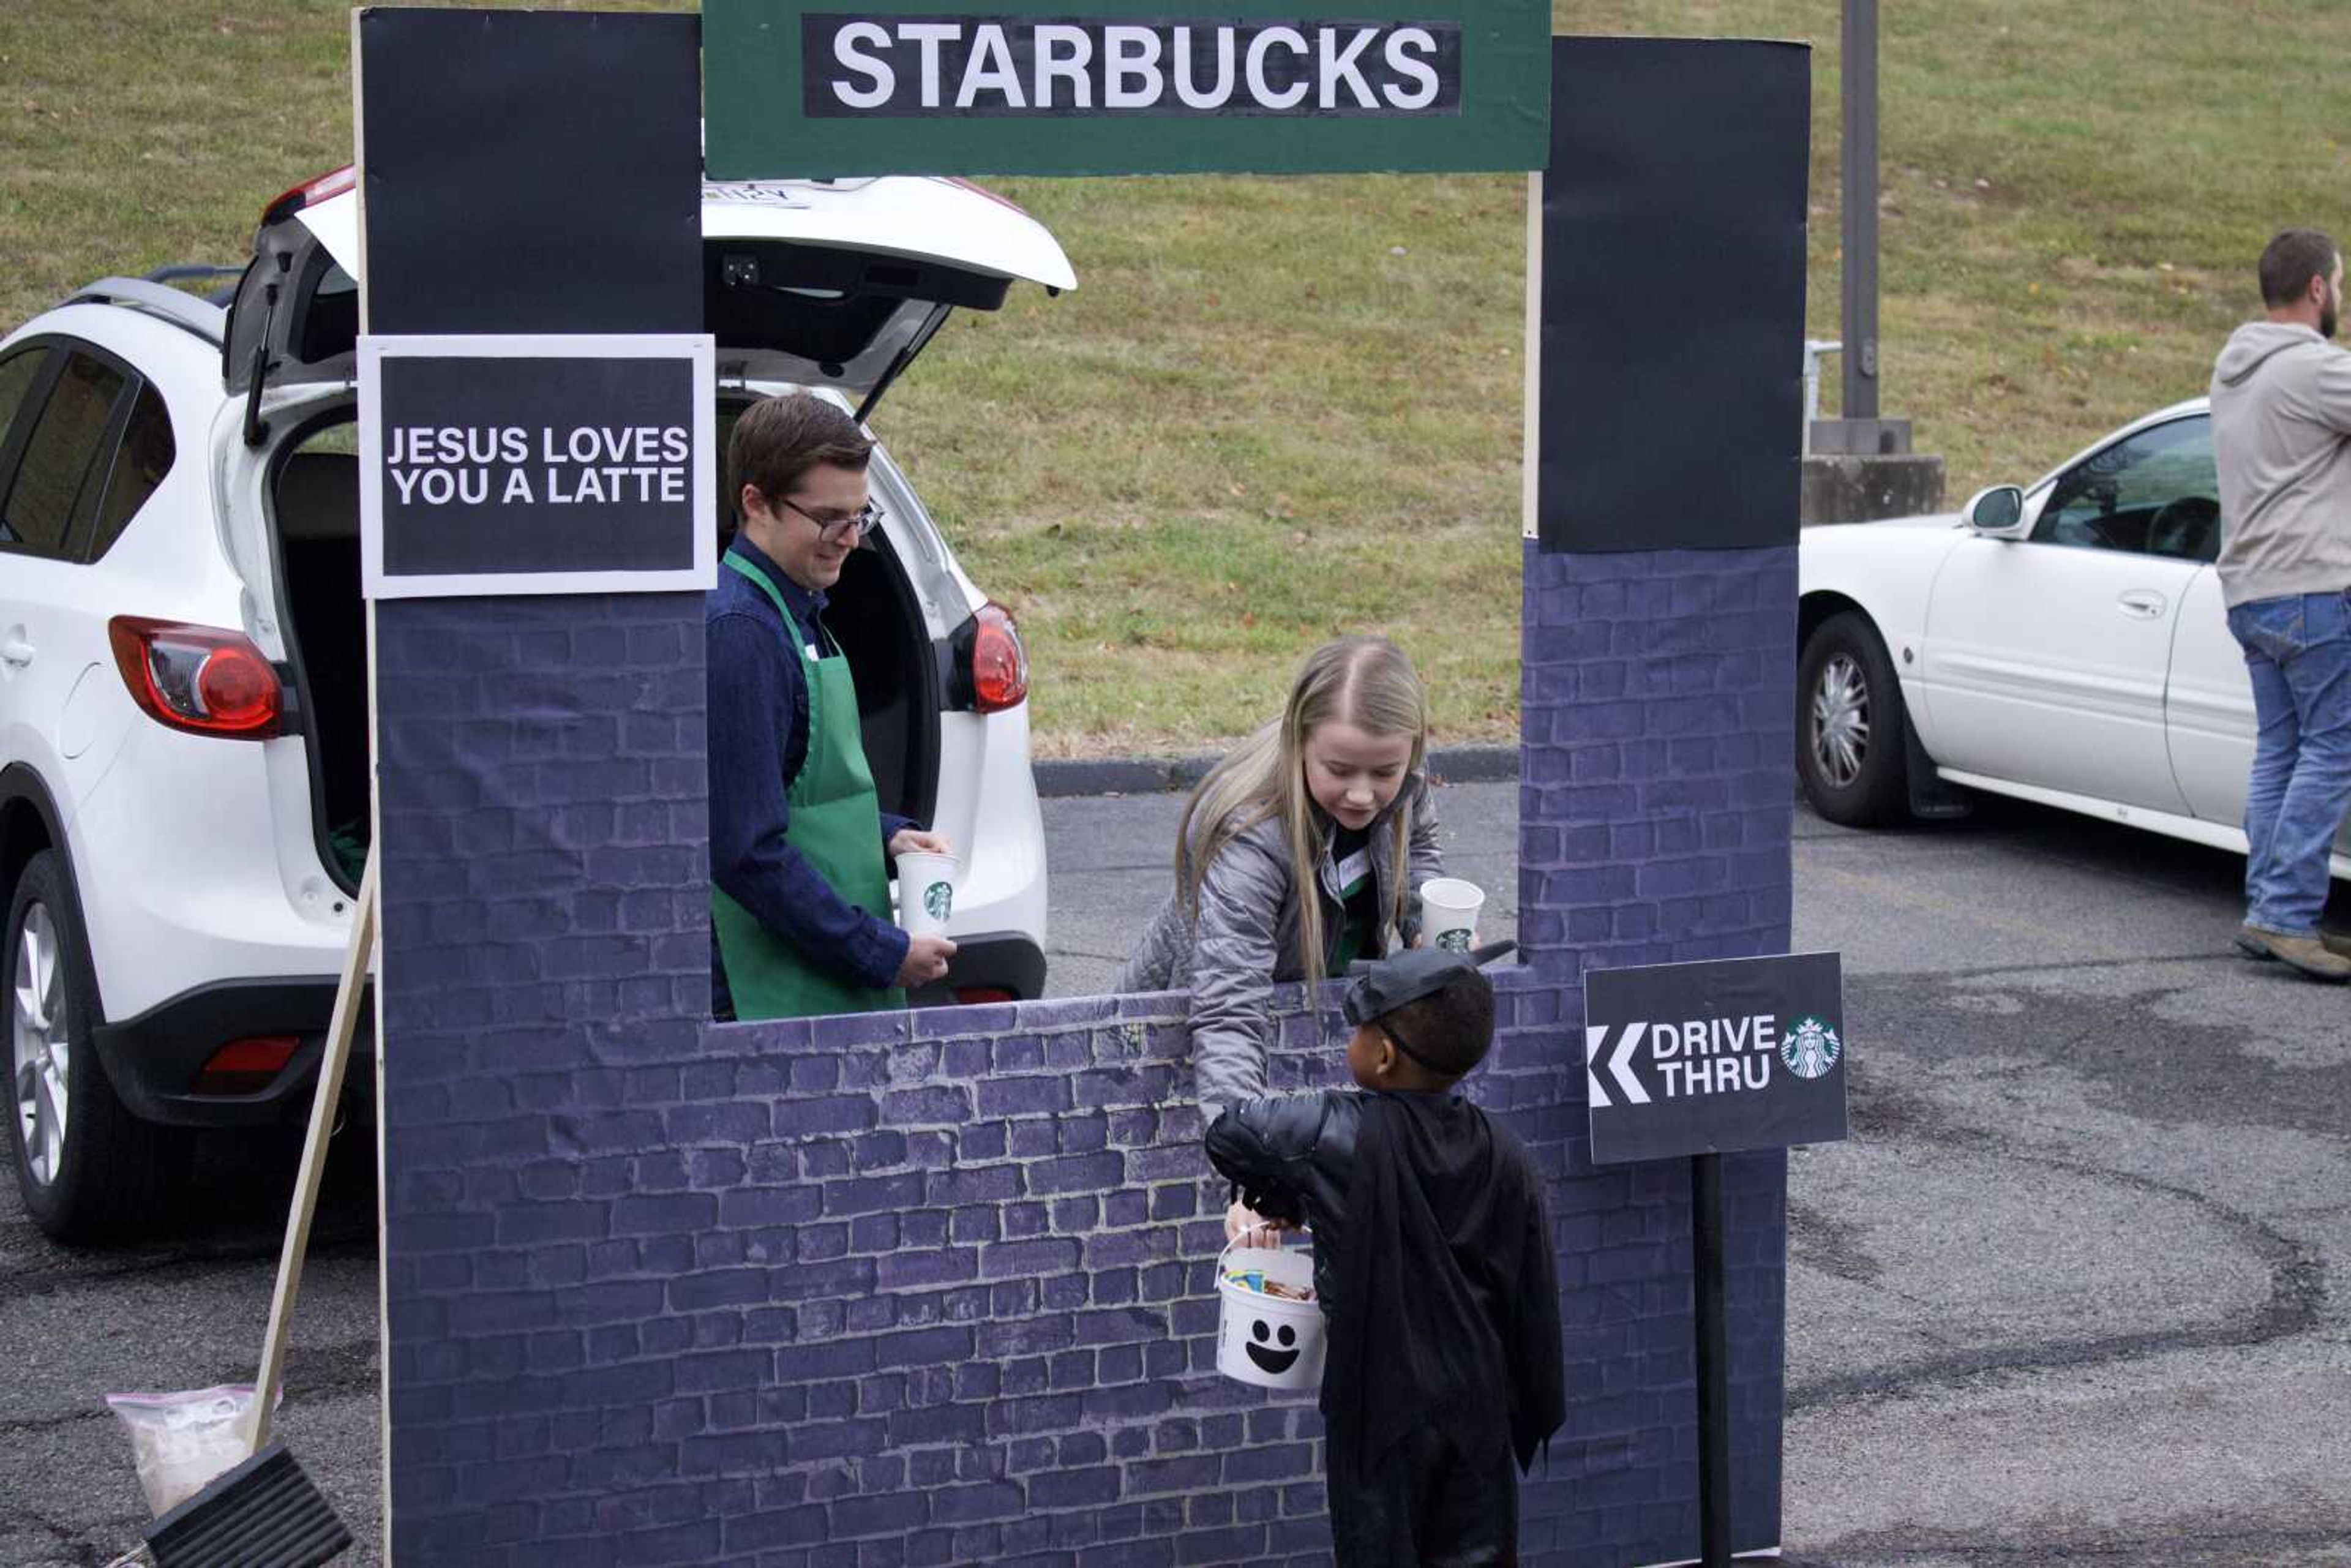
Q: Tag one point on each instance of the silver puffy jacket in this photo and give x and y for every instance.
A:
(1245, 941)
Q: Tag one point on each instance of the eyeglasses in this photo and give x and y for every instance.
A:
(862, 521)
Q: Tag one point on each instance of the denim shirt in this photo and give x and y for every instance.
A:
(758, 738)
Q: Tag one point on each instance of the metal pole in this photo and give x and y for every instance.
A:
(1713, 1363)
(1859, 151)
(1814, 349)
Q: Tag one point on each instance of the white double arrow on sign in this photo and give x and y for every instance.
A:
(1595, 1036)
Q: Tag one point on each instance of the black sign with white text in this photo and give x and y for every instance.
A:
(1713, 1056)
(959, 65)
(545, 465)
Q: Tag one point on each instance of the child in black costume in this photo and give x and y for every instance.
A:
(1432, 1263)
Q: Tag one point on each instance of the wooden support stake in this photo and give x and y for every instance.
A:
(1713, 1362)
(348, 992)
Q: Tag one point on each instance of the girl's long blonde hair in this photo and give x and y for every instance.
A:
(1364, 681)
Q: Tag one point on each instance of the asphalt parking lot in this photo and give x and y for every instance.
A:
(2068, 1296)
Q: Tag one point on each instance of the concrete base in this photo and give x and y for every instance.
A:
(1856, 489)
(1857, 437)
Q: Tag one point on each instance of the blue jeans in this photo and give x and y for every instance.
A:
(2298, 652)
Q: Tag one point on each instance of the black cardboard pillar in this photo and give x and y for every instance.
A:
(1672, 295)
(531, 172)
(540, 793)
(1658, 650)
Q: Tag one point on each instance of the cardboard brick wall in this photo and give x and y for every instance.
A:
(934, 1288)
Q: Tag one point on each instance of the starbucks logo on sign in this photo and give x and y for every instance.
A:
(1454, 941)
(939, 898)
(1810, 1048)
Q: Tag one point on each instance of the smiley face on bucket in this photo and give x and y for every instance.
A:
(1268, 1360)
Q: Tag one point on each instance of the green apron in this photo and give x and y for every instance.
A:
(1353, 875)
(836, 825)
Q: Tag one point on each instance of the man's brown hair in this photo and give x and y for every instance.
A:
(2291, 260)
(779, 439)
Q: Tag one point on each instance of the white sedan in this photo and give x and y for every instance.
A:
(2065, 643)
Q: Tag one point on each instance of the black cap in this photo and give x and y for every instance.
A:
(1380, 986)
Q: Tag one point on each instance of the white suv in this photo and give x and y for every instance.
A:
(183, 724)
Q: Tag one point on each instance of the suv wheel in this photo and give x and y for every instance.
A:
(84, 1164)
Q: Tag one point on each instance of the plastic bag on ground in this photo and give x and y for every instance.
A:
(180, 1441)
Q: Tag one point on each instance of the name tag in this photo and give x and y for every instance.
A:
(1354, 869)
(813, 653)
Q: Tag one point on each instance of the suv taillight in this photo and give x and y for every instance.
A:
(198, 678)
(998, 662)
(334, 182)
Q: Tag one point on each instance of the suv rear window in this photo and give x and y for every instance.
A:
(16, 374)
(38, 515)
(139, 466)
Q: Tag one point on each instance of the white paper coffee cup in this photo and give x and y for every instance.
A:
(926, 886)
(1448, 913)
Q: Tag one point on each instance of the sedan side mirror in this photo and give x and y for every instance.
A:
(1996, 510)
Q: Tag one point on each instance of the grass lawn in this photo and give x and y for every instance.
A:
(1277, 409)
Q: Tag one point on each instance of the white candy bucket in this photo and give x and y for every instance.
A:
(1266, 1339)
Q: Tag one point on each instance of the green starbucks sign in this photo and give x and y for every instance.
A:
(1123, 87)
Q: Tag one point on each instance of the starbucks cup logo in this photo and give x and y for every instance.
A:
(1448, 909)
(927, 884)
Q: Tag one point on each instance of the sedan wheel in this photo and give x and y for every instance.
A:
(1840, 720)
(43, 1046)
(1852, 746)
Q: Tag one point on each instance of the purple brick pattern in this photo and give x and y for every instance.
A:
(1657, 757)
(545, 965)
(926, 1288)
(1656, 801)
(935, 1288)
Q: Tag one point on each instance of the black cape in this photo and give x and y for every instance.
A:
(1447, 1298)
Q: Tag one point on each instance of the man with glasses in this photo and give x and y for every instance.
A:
(799, 900)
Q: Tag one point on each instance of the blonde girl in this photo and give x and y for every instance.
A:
(1300, 852)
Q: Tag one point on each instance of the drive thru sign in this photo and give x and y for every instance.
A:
(1707, 1058)
(1691, 1061)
